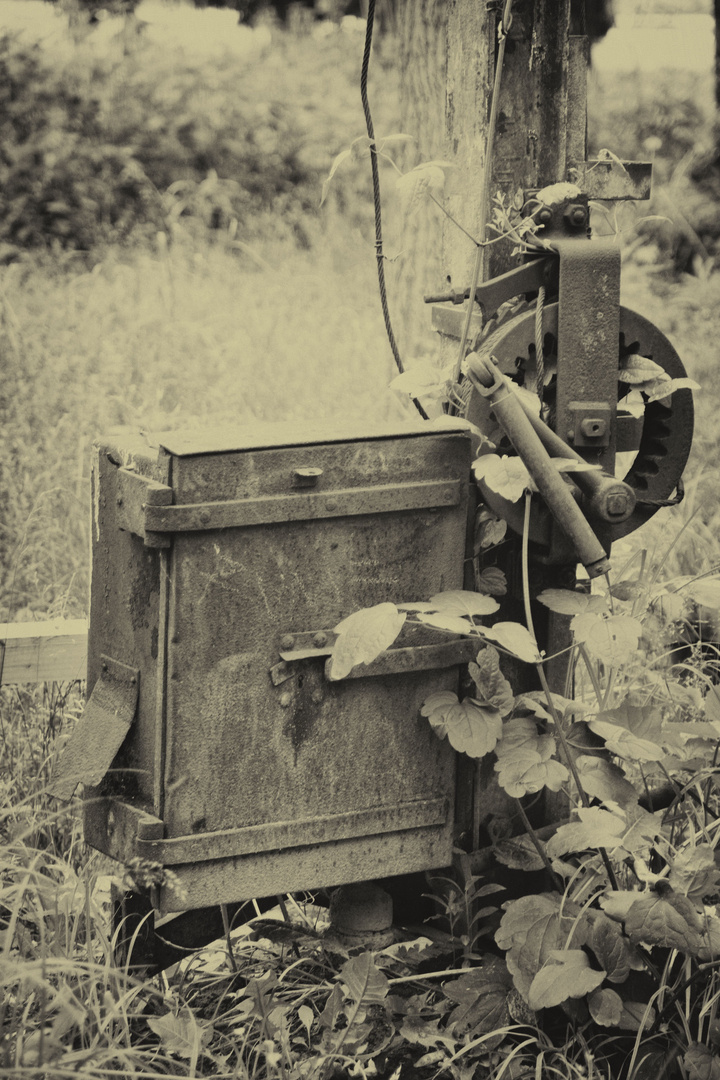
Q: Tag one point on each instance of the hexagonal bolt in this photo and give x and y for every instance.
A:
(544, 215)
(593, 427)
(320, 639)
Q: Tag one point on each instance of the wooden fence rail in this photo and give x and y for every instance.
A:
(34, 652)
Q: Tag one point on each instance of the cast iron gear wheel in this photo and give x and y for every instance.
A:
(657, 443)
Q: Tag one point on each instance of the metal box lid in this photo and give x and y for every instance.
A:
(262, 435)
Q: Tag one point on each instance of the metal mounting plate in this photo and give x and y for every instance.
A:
(100, 731)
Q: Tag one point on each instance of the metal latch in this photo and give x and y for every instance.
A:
(431, 656)
(101, 730)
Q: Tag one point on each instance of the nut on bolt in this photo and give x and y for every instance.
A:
(576, 215)
(593, 427)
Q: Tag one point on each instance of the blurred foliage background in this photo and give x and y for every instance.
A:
(165, 261)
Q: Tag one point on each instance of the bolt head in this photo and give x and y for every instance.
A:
(617, 503)
(320, 639)
(544, 216)
(204, 516)
(331, 505)
(287, 641)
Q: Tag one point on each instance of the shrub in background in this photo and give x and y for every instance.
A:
(98, 149)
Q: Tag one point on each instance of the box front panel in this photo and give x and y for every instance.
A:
(241, 751)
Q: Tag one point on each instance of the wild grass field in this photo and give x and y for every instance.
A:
(236, 300)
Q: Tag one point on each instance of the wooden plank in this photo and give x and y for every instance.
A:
(53, 651)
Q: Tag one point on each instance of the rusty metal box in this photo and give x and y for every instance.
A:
(201, 749)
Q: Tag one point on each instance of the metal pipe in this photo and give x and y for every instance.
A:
(610, 499)
(511, 416)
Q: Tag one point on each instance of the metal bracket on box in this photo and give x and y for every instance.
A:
(101, 730)
(145, 507)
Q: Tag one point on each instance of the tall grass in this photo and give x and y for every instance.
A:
(195, 335)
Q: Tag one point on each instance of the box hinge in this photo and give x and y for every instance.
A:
(101, 730)
(303, 504)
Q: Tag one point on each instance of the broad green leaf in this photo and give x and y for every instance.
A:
(334, 1006)
(705, 592)
(531, 928)
(481, 996)
(669, 920)
(490, 530)
(612, 948)
(605, 1007)
(636, 369)
(627, 590)
(525, 762)
(359, 148)
(306, 1017)
(363, 981)
(664, 387)
(397, 137)
(694, 873)
(492, 582)
(181, 1034)
(341, 157)
(636, 1014)
(565, 602)
(460, 602)
(363, 636)
(712, 704)
(622, 742)
(611, 640)
(471, 728)
(537, 703)
(711, 938)
(492, 686)
(596, 828)
(566, 974)
(519, 853)
(632, 731)
(423, 380)
(507, 476)
(454, 623)
(514, 638)
(427, 178)
(701, 1062)
(617, 903)
(605, 780)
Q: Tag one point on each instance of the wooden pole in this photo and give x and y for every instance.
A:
(540, 136)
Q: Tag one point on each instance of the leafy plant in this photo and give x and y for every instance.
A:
(625, 934)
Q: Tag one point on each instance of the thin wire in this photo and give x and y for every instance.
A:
(539, 356)
(479, 264)
(376, 197)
